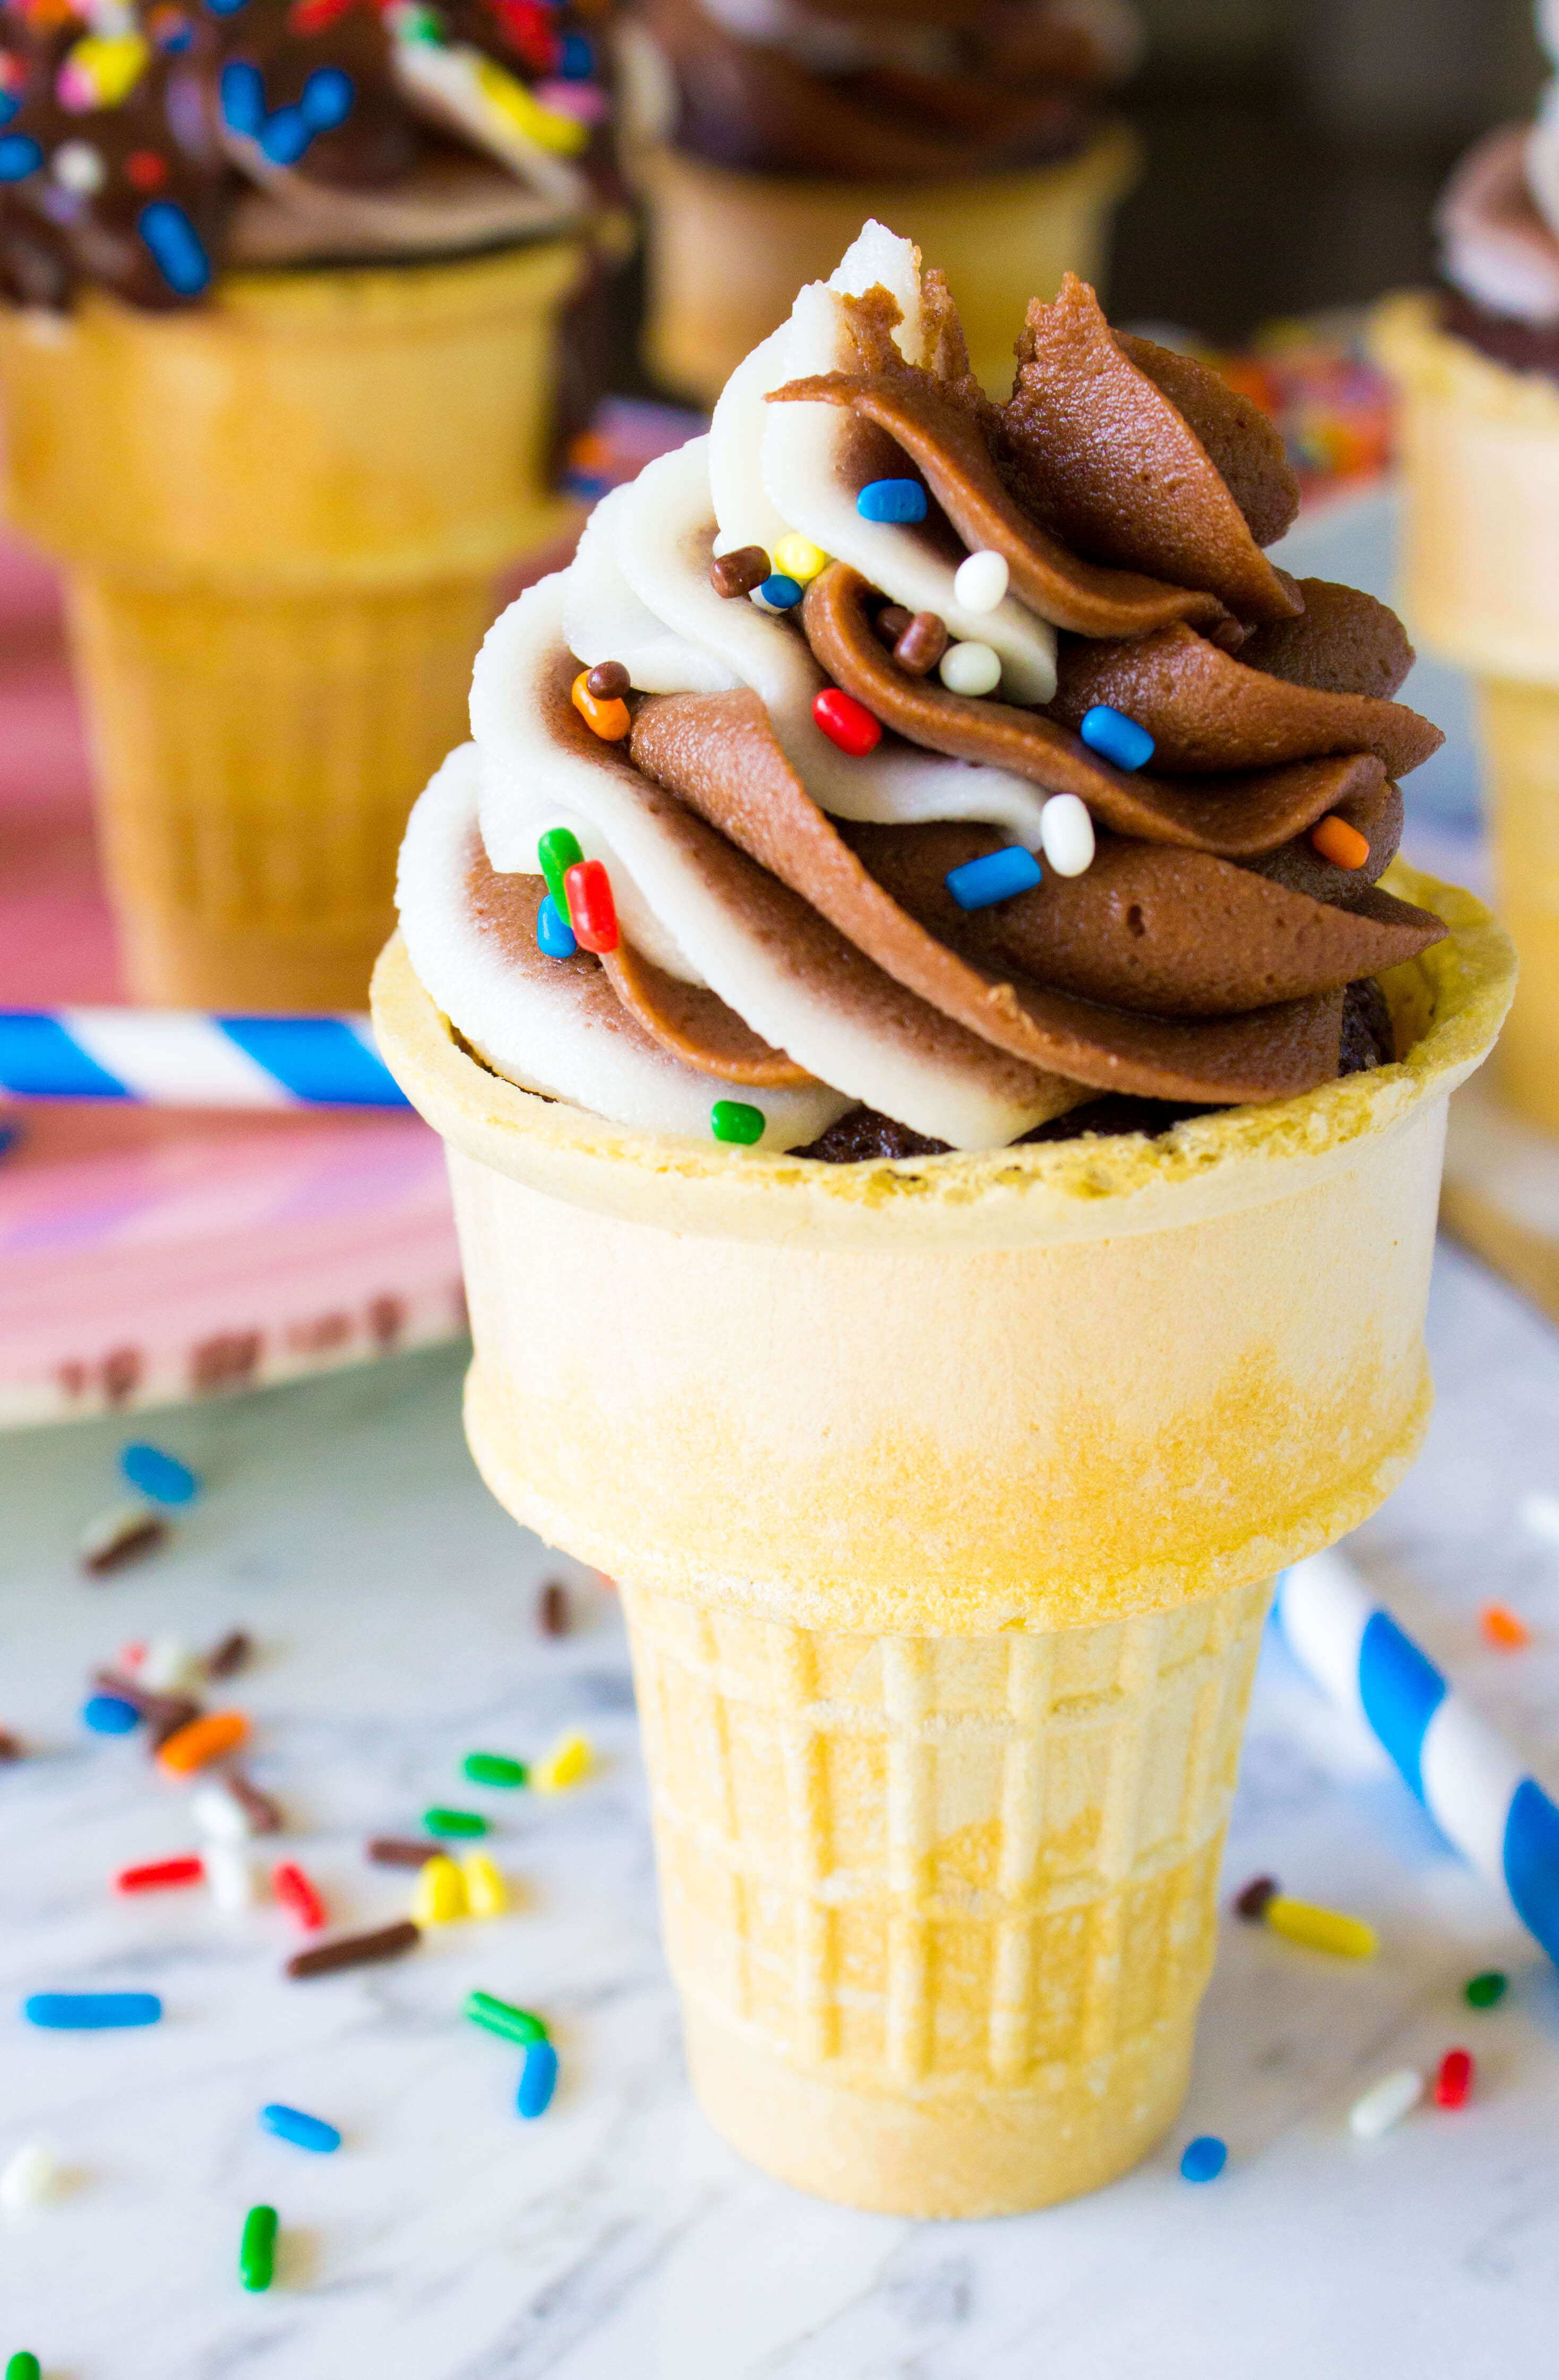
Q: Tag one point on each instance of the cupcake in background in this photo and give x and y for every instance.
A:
(1478, 364)
(767, 130)
(294, 313)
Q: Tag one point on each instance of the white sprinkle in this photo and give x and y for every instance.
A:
(1067, 834)
(1386, 2102)
(30, 2179)
(1539, 1513)
(77, 167)
(220, 1816)
(170, 1666)
(230, 1873)
(979, 584)
(971, 669)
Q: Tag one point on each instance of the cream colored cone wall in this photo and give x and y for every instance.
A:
(961, 1483)
(282, 519)
(728, 249)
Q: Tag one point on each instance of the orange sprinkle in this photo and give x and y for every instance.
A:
(204, 1739)
(1503, 1628)
(1341, 844)
(609, 720)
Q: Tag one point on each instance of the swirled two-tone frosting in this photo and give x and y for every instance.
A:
(789, 936)
(1498, 224)
(911, 89)
(145, 144)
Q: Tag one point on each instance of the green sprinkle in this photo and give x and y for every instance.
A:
(257, 2249)
(734, 1120)
(23, 2366)
(558, 851)
(514, 2023)
(454, 1822)
(495, 1768)
(1488, 1989)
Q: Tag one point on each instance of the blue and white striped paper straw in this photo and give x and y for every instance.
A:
(177, 1058)
(1471, 1782)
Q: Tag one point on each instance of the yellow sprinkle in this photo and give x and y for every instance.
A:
(563, 1765)
(1320, 1929)
(486, 1893)
(799, 558)
(440, 1894)
(564, 135)
(112, 62)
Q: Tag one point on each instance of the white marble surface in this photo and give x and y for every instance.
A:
(617, 2239)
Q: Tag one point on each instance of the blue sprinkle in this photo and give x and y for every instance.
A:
(286, 136)
(226, 7)
(109, 1715)
(18, 157)
(174, 38)
(777, 593)
(327, 98)
(91, 2012)
(554, 934)
(8, 107)
(174, 245)
(303, 2131)
(1116, 737)
(161, 1476)
(538, 2079)
(576, 63)
(243, 97)
(1205, 2157)
(980, 882)
(892, 500)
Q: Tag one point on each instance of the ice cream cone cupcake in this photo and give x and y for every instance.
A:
(946, 1200)
(280, 375)
(767, 138)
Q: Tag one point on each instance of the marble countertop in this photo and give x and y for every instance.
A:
(393, 1604)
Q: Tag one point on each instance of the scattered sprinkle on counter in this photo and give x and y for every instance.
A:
(971, 668)
(1124, 742)
(265, 1816)
(980, 583)
(122, 1534)
(1341, 844)
(502, 2018)
(1320, 1929)
(1386, 2102)
(592, 912)
(161, 1875)
(257, 2248)
(11, 1746)
(401, 1851)
(303, 2130)
(30, 2178)
(1486, 1990)
(1502, 1628)
(109, 1715)
(495, 1768)
(231, 1877)
(202, 1740)
(23, 2365)
(737, 1121)
(555, 935)
(552, 1610)
(537, 2080)
(438, 1896)
(487, 1895)
(1452, 2081)
(169, 1666)
(219, 1813)
(1204, 2158)
(234, 1651)
(154, 1473)
(892, 500)
(1252, 1903)
(566, 1765)
(980, 883)
(442, 1821)
(92, 2011)
(355, 1950)
(846, 723)
(298, 1896)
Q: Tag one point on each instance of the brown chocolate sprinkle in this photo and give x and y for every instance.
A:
(391, 1850)
(264, 1814)
(1251, 1905)
(355, 1950)
(554, 1613)
(608, 681)
(738, 574)
(11, 1746)
(234, 1653)
(922, 644)
(120, 1536)
(163, 1714)
(891, 622)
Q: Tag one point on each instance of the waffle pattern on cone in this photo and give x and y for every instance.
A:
(972, 1874)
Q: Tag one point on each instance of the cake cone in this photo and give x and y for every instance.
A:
(947, 1496)
(729, 248)
(281, 518)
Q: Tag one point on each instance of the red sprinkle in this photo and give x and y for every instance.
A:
(592, 913)
(294, 1891)
(144, 170)
(1454, 2081)
(158, 1873)
(846, 723)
